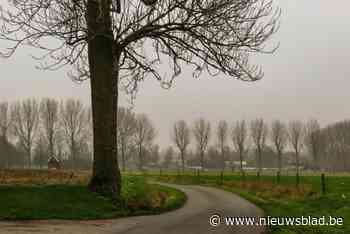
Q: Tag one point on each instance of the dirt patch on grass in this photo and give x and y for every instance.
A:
(30, 177)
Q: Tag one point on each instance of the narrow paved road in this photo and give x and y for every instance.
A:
(193, 218)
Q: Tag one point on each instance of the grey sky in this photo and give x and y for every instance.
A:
(308, 77)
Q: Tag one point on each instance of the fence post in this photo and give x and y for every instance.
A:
(258, 175)
(278, 177)
(323, 182)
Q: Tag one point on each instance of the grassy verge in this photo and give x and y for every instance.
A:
(74, 201)
(285, 199)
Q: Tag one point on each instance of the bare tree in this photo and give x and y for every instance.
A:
(296, 135)
(181, 138)
(41, 150)
(279, 137)
(5, 124)
(314, 141)
(222, 132)
(258, 132)
(25, 116)
(126, 129)
(73, 121)
(50, 122)
(144, 135)
(337, 148)
(239, 135)
(201, 132)
(105, 41)
(5, 120)
(168, 157)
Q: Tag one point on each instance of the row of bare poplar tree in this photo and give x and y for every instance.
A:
(40, 129)
(43, 129)
(323, 148)
(63, 129)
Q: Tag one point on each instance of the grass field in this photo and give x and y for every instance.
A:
(284, 199)
(31, 194)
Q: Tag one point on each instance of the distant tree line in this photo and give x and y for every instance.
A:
(243, 145)
(32, 131)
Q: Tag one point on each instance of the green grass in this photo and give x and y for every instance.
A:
(21, 202)
(285, 199)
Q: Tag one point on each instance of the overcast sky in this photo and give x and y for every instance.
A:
(308, 77)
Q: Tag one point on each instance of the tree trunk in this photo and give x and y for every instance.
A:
(72, 153)
(51, 146)
(223, 158)
(241, 160)
(297, 165)
(140, 158)
(41, 159)
(202, 160)
(183, 161)
(106, 178)
(259, 159)
(279, 162)
(123, 155)
(29, 157)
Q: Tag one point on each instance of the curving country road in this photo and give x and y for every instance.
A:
(193, 218)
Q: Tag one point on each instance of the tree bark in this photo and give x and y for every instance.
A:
(106, 178)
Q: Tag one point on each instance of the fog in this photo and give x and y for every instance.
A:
(308, 77)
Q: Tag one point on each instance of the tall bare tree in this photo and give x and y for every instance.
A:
(279, 137)
(5, 124)
(126, 129)
(201, 132)
(314, 141)
(5, 120)
(144, 135)
(168, 157)
(25, 116)
(50, 122)
(41, 150)
(239, 135)
(296, 137)
(73, 121)
(258, 132)
(181, 138)
(105, 41)
(222, 132)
